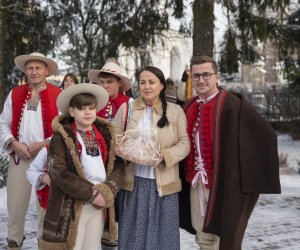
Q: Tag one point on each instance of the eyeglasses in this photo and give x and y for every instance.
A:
(205, 76)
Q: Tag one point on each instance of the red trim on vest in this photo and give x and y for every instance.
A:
(21, 94)
(112, 107)
(200, 118)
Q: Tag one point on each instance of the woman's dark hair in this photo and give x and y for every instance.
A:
(163, 121)
(83, 99)
(72, 76)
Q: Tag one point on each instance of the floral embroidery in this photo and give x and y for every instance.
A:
(89, 141)
(32, 104)
(98, 139)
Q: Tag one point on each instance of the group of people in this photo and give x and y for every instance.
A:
(98, 157)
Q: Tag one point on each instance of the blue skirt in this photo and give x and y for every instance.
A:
(147, 221)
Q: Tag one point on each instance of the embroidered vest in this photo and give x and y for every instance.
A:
(200, 118)
(21, 94)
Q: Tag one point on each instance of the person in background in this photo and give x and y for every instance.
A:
(171, 92)
(82, 166)
(148, 200)
(111, 79)
(185, 91)
(233, 159)
(25, 128)
(69, 80)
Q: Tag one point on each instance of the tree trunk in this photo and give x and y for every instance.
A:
(203, 33)
(2, 44)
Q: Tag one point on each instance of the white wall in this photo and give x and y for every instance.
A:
(171, 54)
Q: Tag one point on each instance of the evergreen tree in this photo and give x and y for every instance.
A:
(203, 29)
(253, 22)
(2, 60)
(24, 29)
(249, 22)
(292, 65)
(95, 29)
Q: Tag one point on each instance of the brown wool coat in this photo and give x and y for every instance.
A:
(69, 188)
(245, 164)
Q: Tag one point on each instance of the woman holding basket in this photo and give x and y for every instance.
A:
(152, 138)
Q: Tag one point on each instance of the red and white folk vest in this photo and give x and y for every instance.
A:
(110, 110)
(200, 118)
(21, 94)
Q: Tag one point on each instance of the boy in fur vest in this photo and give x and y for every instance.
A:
(81, 168)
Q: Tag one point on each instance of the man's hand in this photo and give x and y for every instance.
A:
(35, 147)
(99, 200)
(21, 150)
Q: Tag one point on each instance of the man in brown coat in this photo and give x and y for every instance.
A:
(233, 159)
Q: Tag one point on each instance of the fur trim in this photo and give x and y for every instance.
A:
(171, 188)
(57, 127)
(140, 104)
(73, 229)
(113, 231)
(106, 192)
(168, 158)
(45, 245)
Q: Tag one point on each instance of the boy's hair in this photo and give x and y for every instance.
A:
(196, 60)
(106, 75)
(84, 99)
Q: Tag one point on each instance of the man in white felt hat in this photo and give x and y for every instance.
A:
(25, 127)
(115, 83)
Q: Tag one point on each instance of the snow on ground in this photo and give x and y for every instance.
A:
(274, 223)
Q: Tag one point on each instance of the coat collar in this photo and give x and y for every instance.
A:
(140, 104)
(57, 121)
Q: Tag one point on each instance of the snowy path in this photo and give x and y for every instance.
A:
(274, 223)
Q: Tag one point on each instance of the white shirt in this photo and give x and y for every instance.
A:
(93, 167)
(31, 127)
(145, 123)
(37, 168)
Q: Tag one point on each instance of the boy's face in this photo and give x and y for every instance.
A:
(111, 85)
(84, 117)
